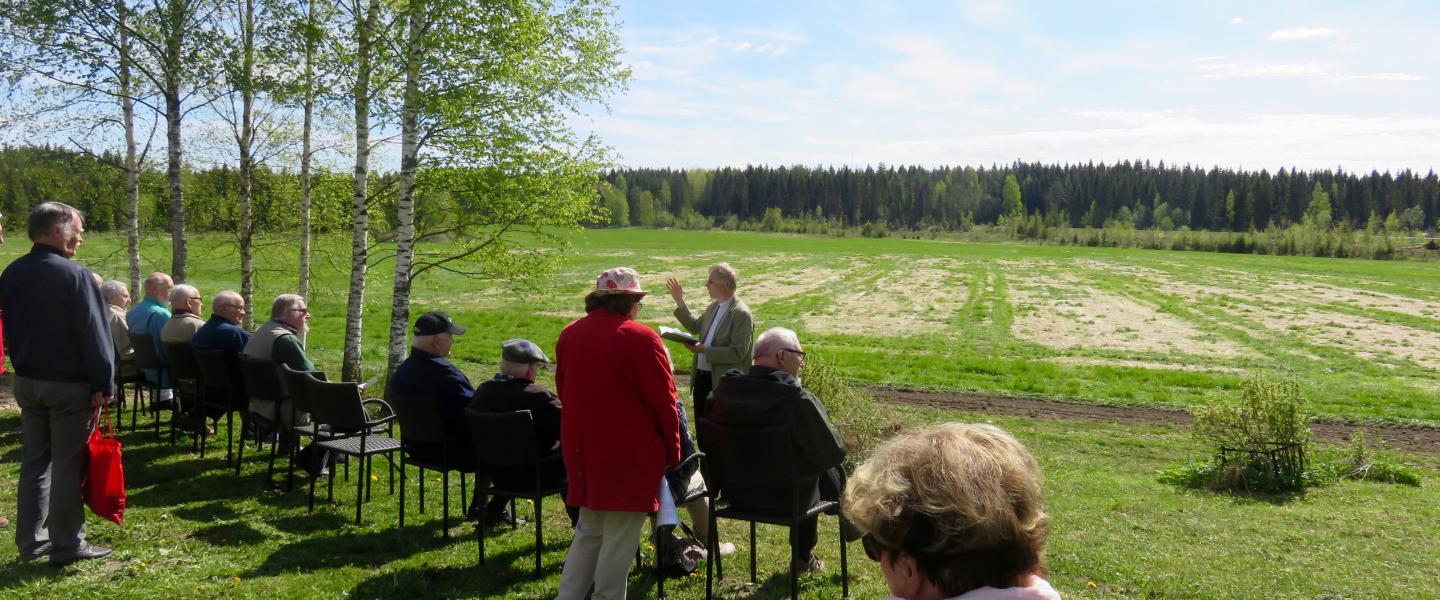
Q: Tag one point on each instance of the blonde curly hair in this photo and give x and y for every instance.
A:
(963, 500)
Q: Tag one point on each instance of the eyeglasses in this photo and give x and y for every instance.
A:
(195, 299)
(797, 352)
(873, 548)
(239, 307)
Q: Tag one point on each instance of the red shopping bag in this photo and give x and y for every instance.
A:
(105, 481)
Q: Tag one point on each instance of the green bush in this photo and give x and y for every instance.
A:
(852, 410)
(1362, 464)
(1261, 441)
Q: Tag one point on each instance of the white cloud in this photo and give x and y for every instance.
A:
(1381, 77)
(781, 51)
(766, 47)
(1302, 33)
(1236, 21)
(742, 46)
(989, 12)
(1213, 68)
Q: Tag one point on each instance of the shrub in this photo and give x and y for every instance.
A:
(1362, 464)
(852, 410)
(1259, 442)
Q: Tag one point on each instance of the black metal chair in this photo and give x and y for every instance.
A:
(352, 431)
(758, 457)
(126, 373)
(262, 382)
(422, 427)
(506, 440)
(189, 389)
(300, 406)
(147, 356)
(224, 393)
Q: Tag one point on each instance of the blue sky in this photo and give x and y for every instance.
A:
(1237, 84)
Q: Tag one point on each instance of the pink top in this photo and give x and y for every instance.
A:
(1039, 589)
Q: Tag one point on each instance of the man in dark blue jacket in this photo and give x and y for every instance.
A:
(223, 332)
(426, 374)
(59, 339)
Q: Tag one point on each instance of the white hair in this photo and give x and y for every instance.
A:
(181, 294)
(225, 298)
(774, 340)
(111, 290)
(515, 369)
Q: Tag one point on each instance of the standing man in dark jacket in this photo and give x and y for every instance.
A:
(770, 395)
(59, 341)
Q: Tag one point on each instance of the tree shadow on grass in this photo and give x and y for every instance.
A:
(344, 549)
(507, 574)
(230, 534)
(14, 575)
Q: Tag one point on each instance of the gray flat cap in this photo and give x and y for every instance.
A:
(522, 351)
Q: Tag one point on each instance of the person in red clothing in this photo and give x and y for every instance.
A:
(618, 432)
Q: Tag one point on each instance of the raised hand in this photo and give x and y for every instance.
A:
(676, 291)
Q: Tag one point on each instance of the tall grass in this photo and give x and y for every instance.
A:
(853, 411)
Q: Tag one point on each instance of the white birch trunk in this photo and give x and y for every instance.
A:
(132, 158)
(309, 109)
(405, 194)
(360, 227)
(247, 167)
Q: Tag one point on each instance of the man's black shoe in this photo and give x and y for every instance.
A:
(39, 553)
(85, 553)
(503, 516)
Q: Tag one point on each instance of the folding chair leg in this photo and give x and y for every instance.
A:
(402, 489)
(359, 491)
(539, 538)
(270, 471)
(229, 436)
(480, 532)
(421, 476)
(464, 510)
(712, 562)
(659, 573)
(794, 573)
(445, 505)
(240, 456)
(752, 552)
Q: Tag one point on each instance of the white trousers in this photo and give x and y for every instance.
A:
(601, 554)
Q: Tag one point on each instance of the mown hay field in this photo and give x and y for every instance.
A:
(1101, 325)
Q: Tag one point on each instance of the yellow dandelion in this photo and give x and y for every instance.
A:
(1091, 584)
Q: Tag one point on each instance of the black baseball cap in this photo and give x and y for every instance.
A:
(436, 323)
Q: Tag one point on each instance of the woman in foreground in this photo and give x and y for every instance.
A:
(953, 512)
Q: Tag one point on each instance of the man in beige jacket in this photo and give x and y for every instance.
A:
(726, 330)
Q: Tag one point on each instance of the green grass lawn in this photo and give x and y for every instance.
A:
(196, 530)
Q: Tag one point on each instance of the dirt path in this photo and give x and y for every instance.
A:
(1405, 439)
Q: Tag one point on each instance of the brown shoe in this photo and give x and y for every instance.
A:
(814, 565)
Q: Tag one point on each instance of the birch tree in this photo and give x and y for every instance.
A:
(78, 54)
(484, 141)
(368, 42)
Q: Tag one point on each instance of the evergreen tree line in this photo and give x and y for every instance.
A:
(1135, 194)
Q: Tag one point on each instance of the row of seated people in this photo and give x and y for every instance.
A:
(768, 394)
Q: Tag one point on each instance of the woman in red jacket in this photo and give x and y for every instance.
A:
(618, 431)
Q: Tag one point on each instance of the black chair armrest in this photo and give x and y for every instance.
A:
(384, 406)
(677, 467)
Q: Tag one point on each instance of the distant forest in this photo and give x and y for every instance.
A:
(1139, 194)
(1130, 195)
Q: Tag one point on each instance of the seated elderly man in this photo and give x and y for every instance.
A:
(277, 341)
(223, 332)
(117, 298)
(149, 317)
(185, 304)
(769, 395)
(427, 374)
(514, 389)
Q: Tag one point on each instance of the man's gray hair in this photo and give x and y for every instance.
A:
(515, 369)
(111, 290)
(726, 274)
(182, 293)
(775, 339)
(283, 304)
(154, 280)
(225, 298)
(46, 216)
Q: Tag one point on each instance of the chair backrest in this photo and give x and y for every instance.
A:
(337, 404)
(213, 370)
(262, 379)
(146, 354)
(759, 456)
(420, 419)
(182, 361)
(503, 439)
(297, 382)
